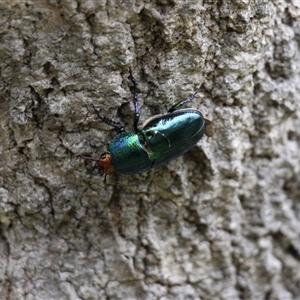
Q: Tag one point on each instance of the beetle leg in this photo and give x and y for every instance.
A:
(182, 102)
(136, 105)
(119, 128)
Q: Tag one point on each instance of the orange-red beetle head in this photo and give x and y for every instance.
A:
(105, 163)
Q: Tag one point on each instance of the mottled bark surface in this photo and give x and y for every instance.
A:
(220, 222)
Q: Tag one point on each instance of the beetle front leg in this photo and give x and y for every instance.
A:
(136, 105)
(118, 127)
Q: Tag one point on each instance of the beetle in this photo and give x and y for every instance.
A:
(160, 139)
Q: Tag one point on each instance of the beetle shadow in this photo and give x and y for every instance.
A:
(201, 166)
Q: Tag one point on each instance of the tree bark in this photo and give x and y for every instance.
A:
(220, 222)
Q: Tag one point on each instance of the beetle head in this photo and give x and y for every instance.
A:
(104, 164)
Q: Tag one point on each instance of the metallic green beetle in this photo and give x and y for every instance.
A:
(161, 138)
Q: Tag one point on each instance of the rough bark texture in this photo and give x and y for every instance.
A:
(220, 222)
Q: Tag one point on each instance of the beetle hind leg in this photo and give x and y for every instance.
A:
(182, 102)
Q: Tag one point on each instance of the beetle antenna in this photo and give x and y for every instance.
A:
(105, 186)
(79, 156)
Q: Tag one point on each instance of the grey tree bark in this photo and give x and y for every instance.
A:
(220, 222)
